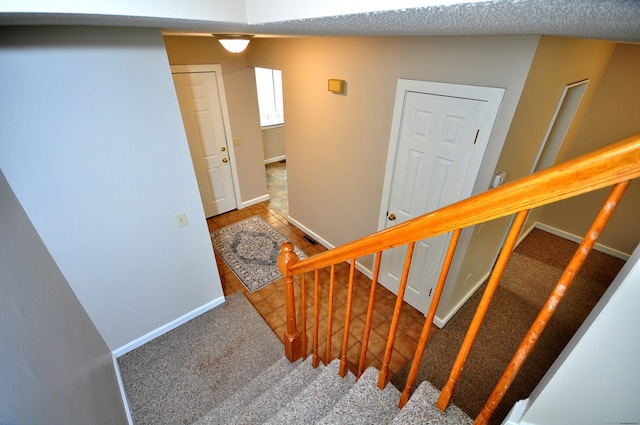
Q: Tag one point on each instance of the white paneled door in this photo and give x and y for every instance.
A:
(436, 156)
(203, 113)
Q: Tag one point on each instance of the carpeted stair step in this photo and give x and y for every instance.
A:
(278, 395)
(236, 403)
(365, 403)
(317, 399)
(421, 410)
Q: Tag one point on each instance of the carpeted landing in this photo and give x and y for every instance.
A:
(227, 367)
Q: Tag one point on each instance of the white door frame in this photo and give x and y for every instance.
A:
(493, 97)
(552, 143)
(217, 70)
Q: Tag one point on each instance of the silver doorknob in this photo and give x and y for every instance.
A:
(225, 160)
(392, 217)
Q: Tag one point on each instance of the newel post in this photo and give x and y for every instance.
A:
(292, 344)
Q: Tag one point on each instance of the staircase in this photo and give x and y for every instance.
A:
(612, 166)
(298, 393)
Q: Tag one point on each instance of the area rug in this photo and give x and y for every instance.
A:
(250, 248)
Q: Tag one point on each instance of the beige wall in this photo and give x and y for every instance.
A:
(337, 144)
(242, 102)
(558, 61)
(273, 143)
(614, 114)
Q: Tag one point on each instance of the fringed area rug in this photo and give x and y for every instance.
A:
(250, 248)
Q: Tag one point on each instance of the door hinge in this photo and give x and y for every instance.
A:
(476, 139)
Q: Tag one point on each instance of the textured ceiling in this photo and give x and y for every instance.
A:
(601, 19)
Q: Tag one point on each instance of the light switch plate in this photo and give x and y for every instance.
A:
(236, 141)
(499, 179)
(181, 219)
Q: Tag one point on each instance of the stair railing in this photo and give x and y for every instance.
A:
(614, 165)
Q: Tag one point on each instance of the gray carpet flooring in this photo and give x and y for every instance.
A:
(227, 367)
(183, 374)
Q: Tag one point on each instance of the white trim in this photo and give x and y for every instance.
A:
(123, 394)
(275, 159)
(598, 247)
(167, 327)
(523, 233)
(269, 127)
(516, 413)
(361, 268)
(217, 70)
(440, 322)
(311, 233)
(254, 201)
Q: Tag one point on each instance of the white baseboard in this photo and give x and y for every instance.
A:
(516, 413)
(123, 394)
(441, 321)
(167, 327)
(310, 232)
(364, 270)
(598, 247)
(253, 201)
(275, 159)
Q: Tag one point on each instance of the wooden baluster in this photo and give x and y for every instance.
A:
(424, 336)
(330, 314)
(384, 371)
(303, 301)
(316, 319)
(474, 327)
(286, 259)
(552, 303)
(347, 321)
(367, 326)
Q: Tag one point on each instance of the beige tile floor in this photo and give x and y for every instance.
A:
(270, 301)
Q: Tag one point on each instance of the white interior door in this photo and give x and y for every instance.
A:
(203, 114)
(435, 154)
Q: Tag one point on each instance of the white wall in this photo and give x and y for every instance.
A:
(214, 10)
(282, 10)
(93, 146)
(56, 369)
(595, 378)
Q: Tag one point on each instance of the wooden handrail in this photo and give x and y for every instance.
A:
(550, 306)
(601, 168)
(615, 164)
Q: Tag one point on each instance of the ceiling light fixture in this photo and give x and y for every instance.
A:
(234, 43)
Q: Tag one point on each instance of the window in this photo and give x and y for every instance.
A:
(269, 83)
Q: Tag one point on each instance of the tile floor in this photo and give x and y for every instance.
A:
(277, 186)
(270, 301)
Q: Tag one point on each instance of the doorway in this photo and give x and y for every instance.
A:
(553, 140)
(203, 105)
(438, 139)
